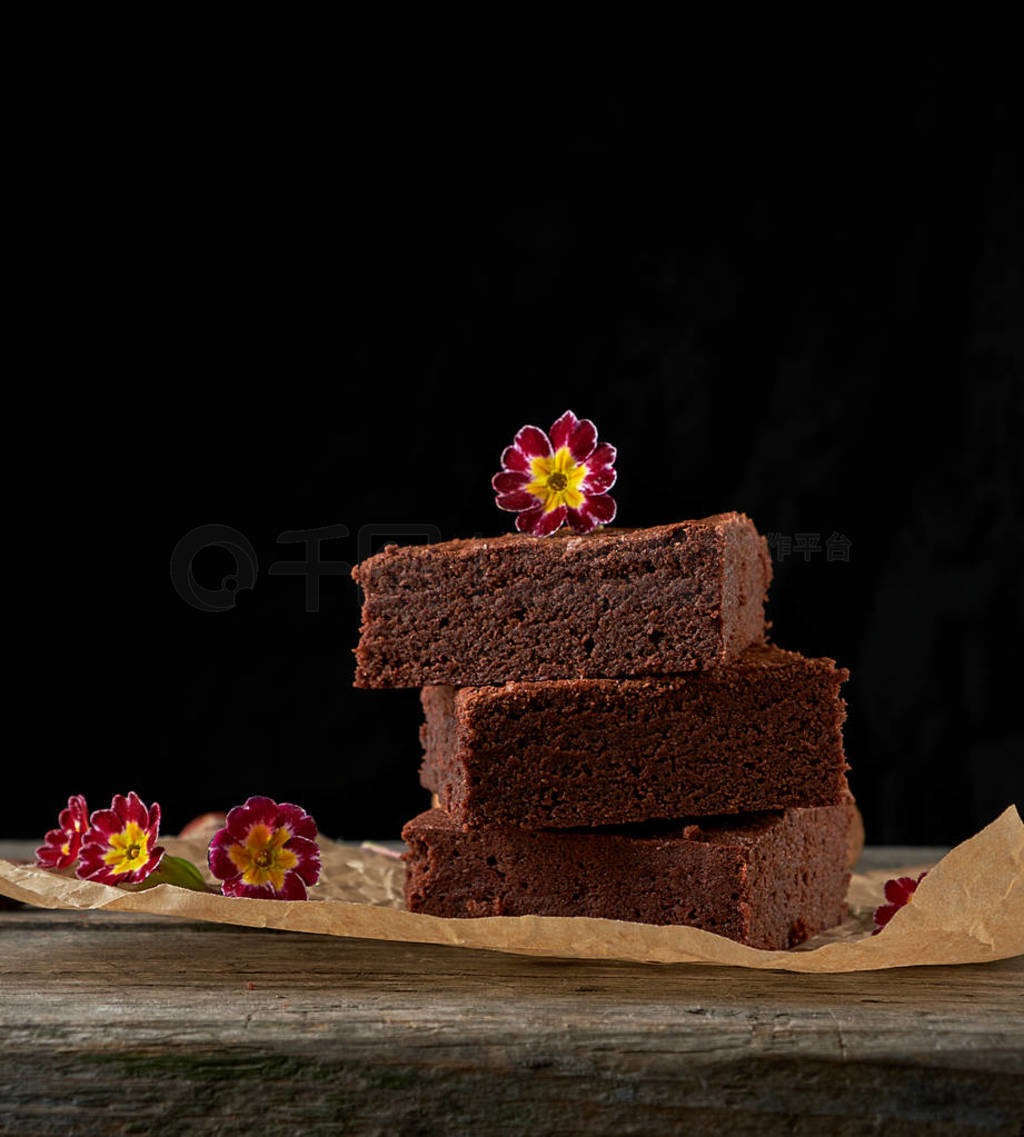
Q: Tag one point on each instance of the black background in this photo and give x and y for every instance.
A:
(796, 297)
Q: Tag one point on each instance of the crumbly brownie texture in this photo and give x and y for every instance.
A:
(769, 881)
(856, 837)
(762, 732)
(616, 602)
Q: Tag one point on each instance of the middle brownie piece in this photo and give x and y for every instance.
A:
(761, 733)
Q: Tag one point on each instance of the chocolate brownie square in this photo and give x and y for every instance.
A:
(766, 880)
(617, 602)
(760, 733)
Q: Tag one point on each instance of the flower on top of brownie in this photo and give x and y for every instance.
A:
(557, 478)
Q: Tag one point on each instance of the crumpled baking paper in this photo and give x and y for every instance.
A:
(968, 909)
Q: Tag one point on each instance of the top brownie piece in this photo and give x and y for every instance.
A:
(615, 603)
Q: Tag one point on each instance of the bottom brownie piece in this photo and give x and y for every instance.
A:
(769, 880)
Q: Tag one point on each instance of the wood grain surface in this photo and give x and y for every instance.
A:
(116, 1024)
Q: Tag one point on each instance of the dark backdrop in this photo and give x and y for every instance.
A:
(795, 298)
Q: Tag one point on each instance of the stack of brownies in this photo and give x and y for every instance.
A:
(608, 733)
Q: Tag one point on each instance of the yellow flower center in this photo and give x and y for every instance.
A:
(557, 479)
(129, 849)
(262, 859)
(66, 848)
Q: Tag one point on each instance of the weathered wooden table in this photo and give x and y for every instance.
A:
(116, 1024)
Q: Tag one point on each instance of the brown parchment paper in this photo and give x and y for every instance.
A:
(969, 909)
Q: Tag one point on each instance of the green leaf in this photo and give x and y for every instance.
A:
(179, 872)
